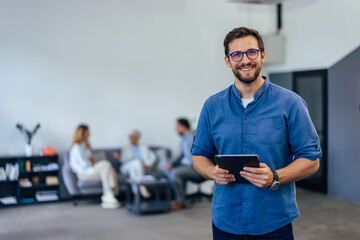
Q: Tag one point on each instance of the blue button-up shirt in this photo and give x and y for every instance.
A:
(186, 142)
(136, 153)
(277, 127)
(185, 150)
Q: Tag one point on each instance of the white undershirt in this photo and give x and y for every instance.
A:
(246, 101)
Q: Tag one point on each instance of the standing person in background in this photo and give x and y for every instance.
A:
(254, 116)
(85, 167)
(180, 168)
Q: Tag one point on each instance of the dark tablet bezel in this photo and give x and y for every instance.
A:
(236, 163)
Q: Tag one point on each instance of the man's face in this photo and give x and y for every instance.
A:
(179, 129)
(246, 70)
(134, 139)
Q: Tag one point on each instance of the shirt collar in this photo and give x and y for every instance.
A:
(186, 135)
(258, 94)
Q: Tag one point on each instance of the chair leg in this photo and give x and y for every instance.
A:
(75, 201)
(197, 197)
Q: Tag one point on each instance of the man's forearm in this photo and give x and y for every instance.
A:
(297, 170)
(203, 166)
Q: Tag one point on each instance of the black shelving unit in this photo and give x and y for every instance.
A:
(40, 172)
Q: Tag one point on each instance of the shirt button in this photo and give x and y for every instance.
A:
(246, 204)
(246, 117)
(245, 151)
(245, 134)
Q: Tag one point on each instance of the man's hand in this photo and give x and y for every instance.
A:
(116, 155)
(222, 176)
(261, 177)
(168, 166)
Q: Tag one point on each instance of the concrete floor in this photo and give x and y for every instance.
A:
(322, 217)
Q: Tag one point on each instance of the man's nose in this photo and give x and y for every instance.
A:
(245, 59)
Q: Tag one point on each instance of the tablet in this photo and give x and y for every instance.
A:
(236, 163)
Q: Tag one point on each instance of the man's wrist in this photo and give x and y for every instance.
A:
(275, 183)
(211, 172)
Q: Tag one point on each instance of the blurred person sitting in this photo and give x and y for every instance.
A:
(180, 168)
(138, 151)
(86, 168)
(135, 159)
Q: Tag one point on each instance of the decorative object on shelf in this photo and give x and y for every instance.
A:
(28, 150)
(28, 135)
(42, 196)
(10, 172)
(28, 166)
(25, 182)
(45, 167)
(52, 180)
(35, 180)
(48, 151)
(2, 174)
(8, 200)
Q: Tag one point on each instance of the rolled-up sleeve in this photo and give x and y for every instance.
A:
(203, 144)
(303, 138)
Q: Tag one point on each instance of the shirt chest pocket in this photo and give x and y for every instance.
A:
(271, 131)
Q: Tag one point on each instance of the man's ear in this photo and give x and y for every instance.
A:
(227, 61)
(263, 56)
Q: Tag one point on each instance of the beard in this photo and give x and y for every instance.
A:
(247, 79)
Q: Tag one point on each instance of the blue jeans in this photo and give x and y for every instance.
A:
(284, 233)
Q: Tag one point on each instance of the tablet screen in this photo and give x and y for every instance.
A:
(236, 163)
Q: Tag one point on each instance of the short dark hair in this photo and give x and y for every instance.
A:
(183, 122)
(240, 33)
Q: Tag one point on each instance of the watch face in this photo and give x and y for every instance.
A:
(275, 185)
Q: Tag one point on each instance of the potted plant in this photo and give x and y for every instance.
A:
(28, 136)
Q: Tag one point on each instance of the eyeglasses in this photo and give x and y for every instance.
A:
(238, 55)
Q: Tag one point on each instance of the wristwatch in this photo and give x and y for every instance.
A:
(275, 184)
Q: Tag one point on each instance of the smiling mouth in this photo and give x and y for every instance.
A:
(246, 69)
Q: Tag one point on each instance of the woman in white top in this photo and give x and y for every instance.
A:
(86, 168)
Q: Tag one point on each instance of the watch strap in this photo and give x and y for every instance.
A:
(276, 183)
(276, 177)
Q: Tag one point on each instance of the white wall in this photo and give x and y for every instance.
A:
(119, 65)
(319, 33)
(116, 65)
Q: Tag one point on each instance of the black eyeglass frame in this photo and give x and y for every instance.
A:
(242, 54)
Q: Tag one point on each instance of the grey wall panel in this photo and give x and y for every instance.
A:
(284, 80)
(344, 127)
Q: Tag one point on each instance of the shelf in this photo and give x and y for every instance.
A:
(8, 181)
(39, 172)
(33, 200)
(54, 200)
(34, 157)
(40, 179)
(8, 204)
(27, 200)
(40, 186)
(8, 200)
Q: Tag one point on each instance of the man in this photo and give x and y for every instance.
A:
(254, 116)
(137, 151)
(135, 160)
(180, 169)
